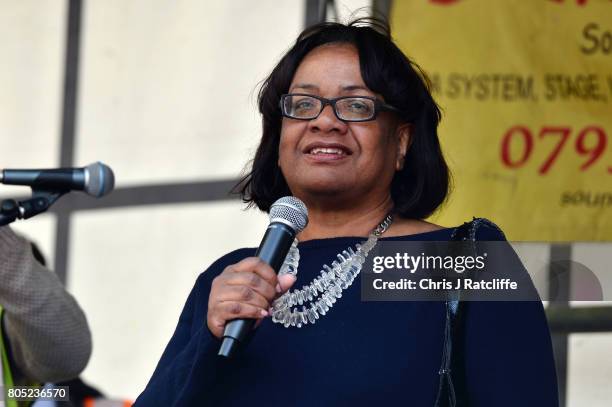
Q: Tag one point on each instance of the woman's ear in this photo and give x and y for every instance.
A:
(404, 139)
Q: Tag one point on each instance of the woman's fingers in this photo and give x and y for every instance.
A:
(243, 294)
(286, 281)
(244, 290)
(253, 281)
(260, 277)
(227, 310)
(258, 266)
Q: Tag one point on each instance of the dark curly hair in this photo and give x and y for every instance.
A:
(423, 184)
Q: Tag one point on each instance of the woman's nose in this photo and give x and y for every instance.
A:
(328, 121)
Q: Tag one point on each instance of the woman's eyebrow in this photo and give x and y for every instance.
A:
(345, 88)
(305, 86)
(349, 88)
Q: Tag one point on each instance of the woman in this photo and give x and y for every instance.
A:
(349, 127)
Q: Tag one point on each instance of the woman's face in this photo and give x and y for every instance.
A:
(327, 156)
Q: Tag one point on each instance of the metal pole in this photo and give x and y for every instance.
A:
(560, 279)
(71, 71)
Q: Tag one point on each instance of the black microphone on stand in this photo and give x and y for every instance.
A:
(48, 186)
(288, 217)
(96, 179)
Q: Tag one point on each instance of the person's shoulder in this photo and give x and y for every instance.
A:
(222, 262)
(10, 241)
(407, 227)
(479, 229)
(233, 257)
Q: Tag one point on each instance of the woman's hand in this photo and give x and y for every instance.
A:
(244, 290)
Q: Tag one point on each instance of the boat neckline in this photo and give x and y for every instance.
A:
(331, 241)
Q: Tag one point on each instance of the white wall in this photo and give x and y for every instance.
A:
(168, 94)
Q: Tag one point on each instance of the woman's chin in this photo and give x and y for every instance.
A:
(324, 189)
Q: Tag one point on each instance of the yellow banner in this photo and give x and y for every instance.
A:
(526, 92)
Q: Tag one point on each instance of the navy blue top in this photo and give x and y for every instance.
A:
(351, 356)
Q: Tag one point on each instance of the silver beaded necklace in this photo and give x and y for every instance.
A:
(328, 286)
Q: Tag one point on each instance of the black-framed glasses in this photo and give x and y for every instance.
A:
(302, 106)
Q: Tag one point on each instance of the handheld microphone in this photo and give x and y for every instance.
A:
(288, 217)
(96, 179)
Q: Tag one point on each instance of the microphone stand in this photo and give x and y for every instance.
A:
(11, 209)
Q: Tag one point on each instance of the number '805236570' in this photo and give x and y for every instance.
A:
(31, 393)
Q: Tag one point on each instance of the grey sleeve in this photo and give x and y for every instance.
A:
(46, 329)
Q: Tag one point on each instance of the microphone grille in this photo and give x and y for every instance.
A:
(100, 179)
(290, 211)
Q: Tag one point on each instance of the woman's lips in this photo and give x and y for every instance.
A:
(320, 154)
(326, 152)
